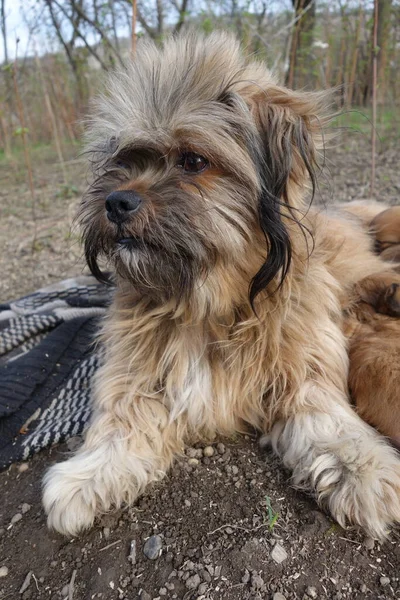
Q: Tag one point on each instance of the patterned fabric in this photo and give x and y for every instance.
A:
(47, 362)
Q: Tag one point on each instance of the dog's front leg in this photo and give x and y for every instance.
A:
(130, 443)
(347, 465)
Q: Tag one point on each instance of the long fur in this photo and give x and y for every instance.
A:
(223, 317)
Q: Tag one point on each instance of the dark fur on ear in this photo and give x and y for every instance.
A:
(290, 132)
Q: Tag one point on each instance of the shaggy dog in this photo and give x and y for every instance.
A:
(228, 310)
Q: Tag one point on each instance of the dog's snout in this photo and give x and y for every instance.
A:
(120, 205)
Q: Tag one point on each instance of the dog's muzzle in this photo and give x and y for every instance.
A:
(121, 205)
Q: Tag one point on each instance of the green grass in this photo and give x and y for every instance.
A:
(360, 119)
(40, 152)
(271, 516)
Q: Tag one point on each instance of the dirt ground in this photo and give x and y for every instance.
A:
(225, 523)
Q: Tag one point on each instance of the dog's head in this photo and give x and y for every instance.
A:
(200, 161)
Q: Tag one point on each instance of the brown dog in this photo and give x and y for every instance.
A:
(386, 229)
(223, 317)
(373, 328)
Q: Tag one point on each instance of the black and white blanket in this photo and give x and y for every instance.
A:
(47, 361)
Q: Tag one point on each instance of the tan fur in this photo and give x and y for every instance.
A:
(207, 364)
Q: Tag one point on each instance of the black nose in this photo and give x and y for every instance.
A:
(120, 205)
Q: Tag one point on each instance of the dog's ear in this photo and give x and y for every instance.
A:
(289, 126)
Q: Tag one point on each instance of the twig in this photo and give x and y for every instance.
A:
(21, 116)
(347, 540)
(36, 581)
(238, 527)
(110, 545)
(71, 585)
(134, 10)
(375, 51)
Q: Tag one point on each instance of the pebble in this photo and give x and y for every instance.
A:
(311, 592)
(278, 596)
(384, 581)
(65, 591)
(26, 583)
(193, 582)
(16, 518)
(278, 554)
(162, 591)
(3, 571)
(25, 507)
(208, 451)
(152, 547)
(132, 552)
(145, 596)
(257, 581)
(23, 467)
(246, 577)
(369, 543)
(193, 462)
(73, 443)
(221, 448)
(202, 588)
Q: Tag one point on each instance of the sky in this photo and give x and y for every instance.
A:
(15, 28)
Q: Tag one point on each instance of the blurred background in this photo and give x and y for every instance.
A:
(54, 55)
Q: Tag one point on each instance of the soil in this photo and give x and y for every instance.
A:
(225, 523)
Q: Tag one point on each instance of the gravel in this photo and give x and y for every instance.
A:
(152, 547)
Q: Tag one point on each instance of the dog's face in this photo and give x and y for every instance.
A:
(194, 155)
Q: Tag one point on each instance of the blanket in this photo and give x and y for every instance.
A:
(48, 357)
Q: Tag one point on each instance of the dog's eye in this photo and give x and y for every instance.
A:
(192, 163)
(122, 163)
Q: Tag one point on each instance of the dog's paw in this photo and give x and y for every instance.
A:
(69, 501)
(367, 495)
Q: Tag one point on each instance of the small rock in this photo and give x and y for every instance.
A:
(25, 507)
(257, 581)
(202, 588)
(132, 552)
(188, 503)
(278, 596)
(369, 543)
(74, 442)
(17, 517)
(193, 462)
(3, 571)
(246, 577)
(191, 452)
(152, 547)
(221, 448)
(235, 470)
(193, 582)
(23, 467)
(363, 588)
(384, 581)
(311, 592)
(162, 591)
(26, 583)
(208, 451)
(145, 596)
(106, 532)
(65, 591)
(278, 554)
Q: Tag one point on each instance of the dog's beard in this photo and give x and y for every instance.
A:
(162, 256)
